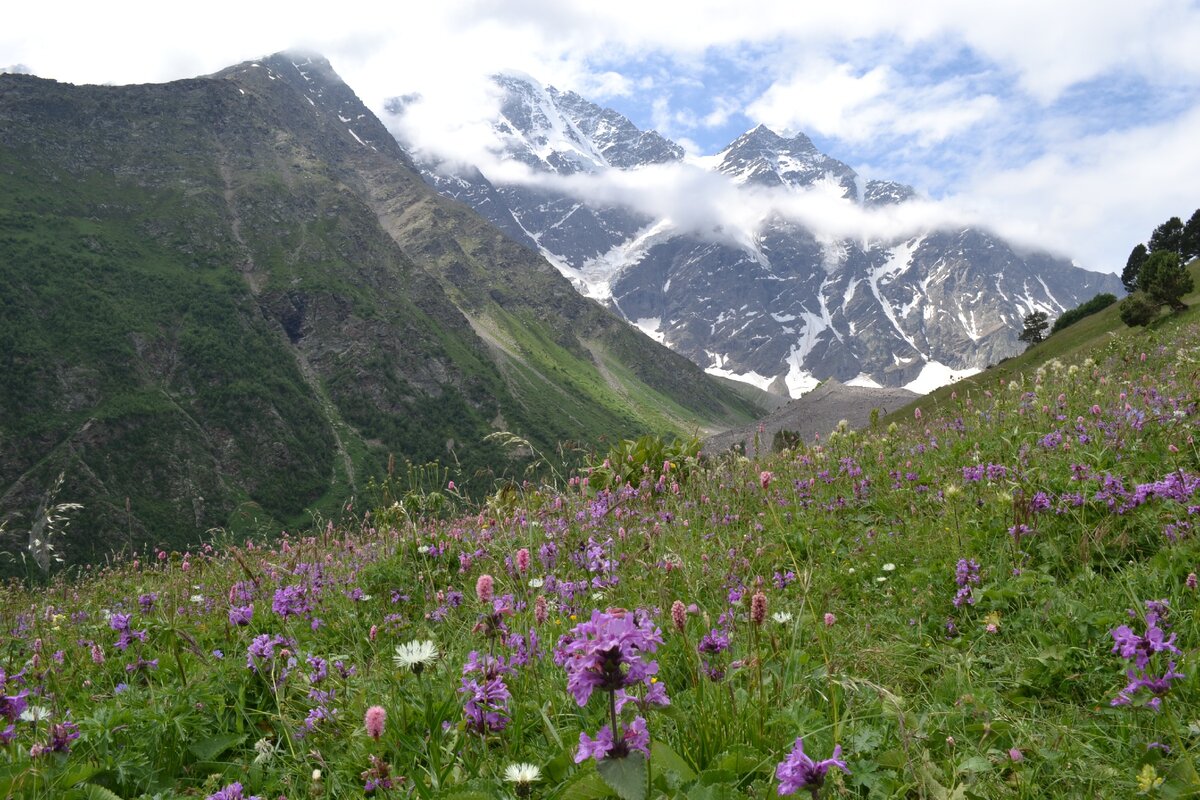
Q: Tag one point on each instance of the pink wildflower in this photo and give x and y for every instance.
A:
(679, 615)
(829, 619)
(758, 608)
(375, 718)
(485, 588)
(523, 560)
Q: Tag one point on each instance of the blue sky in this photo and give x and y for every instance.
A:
(1068, 125)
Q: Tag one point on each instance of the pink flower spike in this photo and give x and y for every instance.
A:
(485, 588)
(374, 720)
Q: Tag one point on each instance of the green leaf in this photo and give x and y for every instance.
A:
(209, 749)
(719, 791)
(975, 764)
(714, 777)
(90, 791)
(664, 759)
(627, 776)
(741, 759)
(892, 759)
(586, 784)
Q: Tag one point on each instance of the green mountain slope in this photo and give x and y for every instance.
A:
(221, 303)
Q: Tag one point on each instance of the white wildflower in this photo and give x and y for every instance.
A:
(416, 655)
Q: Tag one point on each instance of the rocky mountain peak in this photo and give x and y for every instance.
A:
(327, 95)
(764, 158)
(785, 306)
(882, 193)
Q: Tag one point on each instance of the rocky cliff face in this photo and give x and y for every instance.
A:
(229, 299)
(782, 305)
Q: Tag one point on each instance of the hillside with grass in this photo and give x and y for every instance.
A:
(993, 595)
(226, 302)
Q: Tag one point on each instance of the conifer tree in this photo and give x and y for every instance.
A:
(1133, 266)
(1166, 237)
(1036, 323)
(1189, 244)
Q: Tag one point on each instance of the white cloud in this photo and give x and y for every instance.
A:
(1094, 197)
(712, 206)
(1091, 196)
(833, 99)
(824, 97)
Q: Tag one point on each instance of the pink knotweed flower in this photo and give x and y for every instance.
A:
(373, 632)
(764, 479)
(679, 615)
(829, 619)
(375, 718)
(539, 610)
(485, 588)
(523, 560)
(1191, 581)
(916, 413)
(758, 608)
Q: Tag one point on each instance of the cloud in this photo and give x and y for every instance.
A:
(836, 100)
(1097, 196)
(712, 206)
(896, 86)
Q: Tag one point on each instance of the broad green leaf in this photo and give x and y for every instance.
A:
(208, 749)
(664, 759)
(586, 784)
(627, 776)
(741, 759)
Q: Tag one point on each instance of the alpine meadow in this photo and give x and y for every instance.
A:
(315, 484)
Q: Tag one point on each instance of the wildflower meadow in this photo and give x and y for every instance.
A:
(993, 597)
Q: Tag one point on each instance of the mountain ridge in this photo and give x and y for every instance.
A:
(780, 305)
(229, 298)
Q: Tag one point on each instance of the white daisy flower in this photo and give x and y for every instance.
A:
(522, 773)
(34, 714)
(888, 567)
(416, 655)
(536, 583)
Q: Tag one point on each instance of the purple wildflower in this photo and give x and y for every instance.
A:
(966, 575)
(634, 737)
(241, 615)
(289, 601)
(232, 792)
(606, 653)
(1140, 649)
(799, 771)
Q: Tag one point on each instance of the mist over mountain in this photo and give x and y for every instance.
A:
(770, 262)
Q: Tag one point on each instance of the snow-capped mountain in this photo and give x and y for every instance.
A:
(785, 306)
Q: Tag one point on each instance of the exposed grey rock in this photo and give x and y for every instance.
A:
(792, 308)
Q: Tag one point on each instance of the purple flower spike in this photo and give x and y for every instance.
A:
(798, 771)
(606, 653)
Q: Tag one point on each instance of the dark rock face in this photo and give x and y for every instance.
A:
(791, 307)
